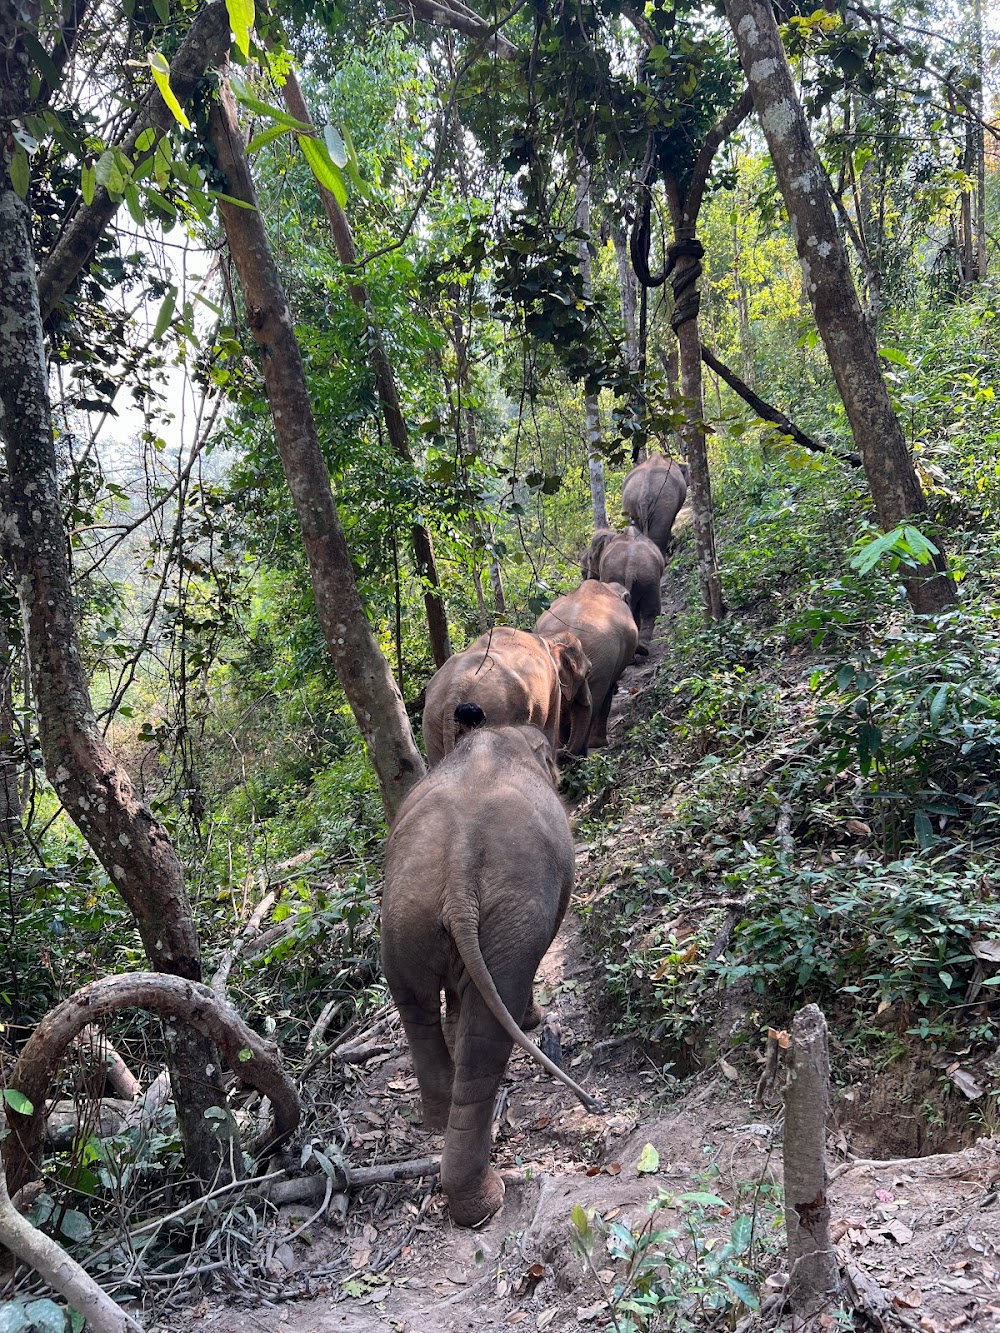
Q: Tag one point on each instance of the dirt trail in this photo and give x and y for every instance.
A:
(927, 1232)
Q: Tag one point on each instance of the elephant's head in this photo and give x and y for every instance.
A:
(592, 556)
(620, 591)
(536, 743)
(573, 666)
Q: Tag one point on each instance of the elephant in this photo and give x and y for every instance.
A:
(592, 556)
(478, 874)
(652, 493)
(507, 677)
(633, 560)
(598, 614)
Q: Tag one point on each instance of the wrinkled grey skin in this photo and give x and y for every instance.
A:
(652, 494)
(478, 874)
(592, 556)
(514, 677)
(634, 561)
(599, 615)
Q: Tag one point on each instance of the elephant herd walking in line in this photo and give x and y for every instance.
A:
(480, 862)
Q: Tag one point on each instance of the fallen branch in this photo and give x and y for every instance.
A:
(769, 413)
(935, 1164)
(304, 1189)
(239, 944)
(145, 1107)
(257, 1061)
(98, 1053)
(62, 1273)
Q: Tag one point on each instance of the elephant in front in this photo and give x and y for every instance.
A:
(508, 677)
(478, 874)
(652, 494)
(598, 614)
(634, 561)
(590, 563)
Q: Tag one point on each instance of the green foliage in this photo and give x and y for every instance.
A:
(692, 1260)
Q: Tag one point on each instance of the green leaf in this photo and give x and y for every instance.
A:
(241, 20)
(162, 8)
(923, 829)
(938, 703)
(323, 168)
(335, 145)
(264, 108)
(267, 136)
(166, 314)
(704, 1199)
(229, 199)
(74, 1225)
(145, 140)
(134, 205)
(649, 1161)
(742, 1233)
(894, 355)
(14, 1318)
(161, 75)
(41, 59)
(88, 183)
(20, 177)
(18, 1102)
(742, 1292)
(245, 1055)
(108, 174)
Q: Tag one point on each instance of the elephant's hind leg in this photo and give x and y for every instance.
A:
(432, 1063)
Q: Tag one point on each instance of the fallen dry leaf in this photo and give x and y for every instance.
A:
(517, 1316)
(612, 1213)
(858, 828)
(899, 1231)
(730, 1071)
(912, 1299)
(547, 1316)
(456, 1275)
(593, 1171)
(613, 1169)
(988, 950)
(587, 1312)
(965, 1082)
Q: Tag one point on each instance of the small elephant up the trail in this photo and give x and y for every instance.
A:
(652, 494)
(505, 678)
(634, 561)
(598, 614)
(478, 874)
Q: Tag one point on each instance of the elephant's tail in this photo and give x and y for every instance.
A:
(465, 932)
(468, 717)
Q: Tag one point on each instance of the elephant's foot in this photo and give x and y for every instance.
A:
(470, 1210)
(532, 1018)
(642, 650)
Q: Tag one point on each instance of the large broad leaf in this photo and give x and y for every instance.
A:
(649, 1161)
(324, 168)
(161, 74)
(20, 175)
(17, 1101)
(241, 20)
(243, 95)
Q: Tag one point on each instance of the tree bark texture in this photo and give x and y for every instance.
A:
(202, 49)
(627, 295)
(767, 412)
(10, 744)
(63, 1274)
(362, 670)
(94, 789)
(829, 285)
(385, 386)
(592, 416)
(256, 1061)
(814, 1278)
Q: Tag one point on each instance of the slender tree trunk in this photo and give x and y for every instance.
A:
(385, 385)
(94, 789)
(627, 294)
(363, 672)
(11, 833)
(814, 1278)
(980, 132)
(827, 280)
(595, 459)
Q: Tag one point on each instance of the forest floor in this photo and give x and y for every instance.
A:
(920, 1236)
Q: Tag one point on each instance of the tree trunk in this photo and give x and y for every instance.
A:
(814, 1279)
(363, 672)
(827, 281)
(385, 385)
(11, 832)
(627, 294)
(95, 791)
(595, 459)
(980, 145)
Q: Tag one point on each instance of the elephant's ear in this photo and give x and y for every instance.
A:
(572, 666)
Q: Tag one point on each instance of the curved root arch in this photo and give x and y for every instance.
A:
(201, 1008)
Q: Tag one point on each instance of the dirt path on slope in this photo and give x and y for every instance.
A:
(395, 1262)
